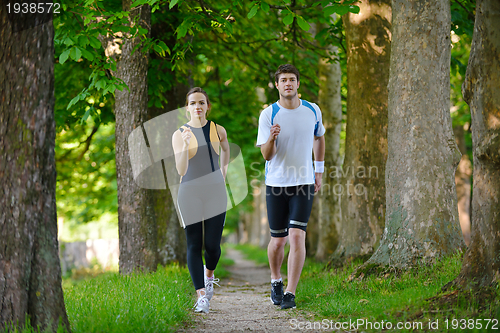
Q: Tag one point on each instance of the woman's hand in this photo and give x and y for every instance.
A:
(180, 144)
(186, 136)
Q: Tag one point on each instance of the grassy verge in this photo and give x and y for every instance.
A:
(110, 302)
(396, 302)
(99, 301)
(156, 302)
(393, 302)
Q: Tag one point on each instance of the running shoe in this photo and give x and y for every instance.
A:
(209, 285)
(202, 304)
(277, 292)
(288, 301)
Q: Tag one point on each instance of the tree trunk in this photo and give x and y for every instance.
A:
(171, 239)
(330, 78)
(462, 182)
(421, 217)
(481, 90)
(363, 180)
(136, 218)
(30, 270)
(241, 234)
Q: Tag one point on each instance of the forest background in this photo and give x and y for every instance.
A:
(229, 48)
(120, 64)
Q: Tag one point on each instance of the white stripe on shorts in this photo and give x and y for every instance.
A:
(302, 224)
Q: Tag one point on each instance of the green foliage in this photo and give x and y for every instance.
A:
(212, 44)
(86, 182)
(77, 31)
(290, 12)
(462, 16)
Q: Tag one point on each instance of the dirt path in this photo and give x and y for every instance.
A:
(243, 303)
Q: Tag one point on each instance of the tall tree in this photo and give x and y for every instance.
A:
(167, 92)
(481, 90)
(136, 218)
(421, 216)
(30, 271)
(363, 181)
(171, 241)
(329, 98)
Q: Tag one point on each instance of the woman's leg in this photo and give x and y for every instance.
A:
(215, 209)
(213, 235)
(187, 199)
(194, 238)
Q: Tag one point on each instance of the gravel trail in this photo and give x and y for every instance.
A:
(243, 303)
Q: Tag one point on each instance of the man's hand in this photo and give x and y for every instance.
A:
(268, 149)
(275, 130)
(317, 181)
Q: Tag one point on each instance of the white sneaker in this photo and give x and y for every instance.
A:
(202, 304)
(209, 285)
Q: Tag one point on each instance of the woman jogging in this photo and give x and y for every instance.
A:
(202, 199)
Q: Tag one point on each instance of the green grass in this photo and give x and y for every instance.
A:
(390, 298)
(155, 302)
(110, 302)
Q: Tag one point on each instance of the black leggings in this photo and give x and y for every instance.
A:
(194, 237)
(207, 203)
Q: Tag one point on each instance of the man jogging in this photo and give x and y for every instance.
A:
(288, 131)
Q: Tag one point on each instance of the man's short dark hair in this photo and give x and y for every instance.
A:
(286, 69)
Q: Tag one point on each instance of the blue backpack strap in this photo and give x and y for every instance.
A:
(307, 104)
(276, 108)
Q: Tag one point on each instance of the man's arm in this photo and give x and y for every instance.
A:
(319, 156)
(268, 149)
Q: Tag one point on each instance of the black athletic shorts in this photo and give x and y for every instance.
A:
(288, 207)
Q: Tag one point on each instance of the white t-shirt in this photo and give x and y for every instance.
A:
(293, 164)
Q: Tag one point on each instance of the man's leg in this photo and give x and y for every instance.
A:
(300, 209)
(275, 254)
(296, 258)
(277, 214)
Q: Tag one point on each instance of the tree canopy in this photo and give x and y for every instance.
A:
(230, 48)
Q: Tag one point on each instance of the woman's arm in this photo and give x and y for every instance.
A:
(180, 144)
(224, 155)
